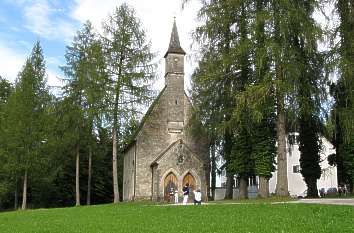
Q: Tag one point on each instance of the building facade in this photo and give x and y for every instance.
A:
(296, 184)
(166, 153)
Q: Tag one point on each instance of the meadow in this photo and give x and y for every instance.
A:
(219, 217)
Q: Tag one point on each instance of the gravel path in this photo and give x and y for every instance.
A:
(329, 201)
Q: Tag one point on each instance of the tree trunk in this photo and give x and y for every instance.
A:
(114, 163)
(263, 190)
(311, 187)
(229, 192)
(24, 195)
(243, 188)
(282, 169)
(77, 183)
(213, 171)
(16, 195)
(88, 201)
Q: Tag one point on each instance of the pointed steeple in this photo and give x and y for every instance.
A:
(174, 46)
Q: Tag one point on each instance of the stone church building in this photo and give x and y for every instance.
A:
(165, 152)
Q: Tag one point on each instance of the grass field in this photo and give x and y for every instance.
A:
(222, 217)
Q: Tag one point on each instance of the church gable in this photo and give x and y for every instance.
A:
(162, 143)
(180, 162)
(178, 153)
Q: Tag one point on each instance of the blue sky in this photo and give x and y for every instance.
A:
(55, 22)
(23, 22)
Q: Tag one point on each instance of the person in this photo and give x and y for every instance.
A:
(345, 190)
(340, 190)
(197, 197)
(172, 194)
(185, 193)
(176, 196)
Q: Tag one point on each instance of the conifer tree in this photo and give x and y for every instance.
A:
(343, 93)
(130, 69)
(26, 112)
(86, 93)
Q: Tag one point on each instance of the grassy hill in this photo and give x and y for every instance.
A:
(135, 217)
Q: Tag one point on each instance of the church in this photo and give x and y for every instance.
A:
(165, 153)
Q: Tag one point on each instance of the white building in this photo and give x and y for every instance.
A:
(296, 183)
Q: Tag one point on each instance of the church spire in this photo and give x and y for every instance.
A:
(174, 46)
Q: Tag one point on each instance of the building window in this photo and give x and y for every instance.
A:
(296, 169)
(293, 139)
(176, 102)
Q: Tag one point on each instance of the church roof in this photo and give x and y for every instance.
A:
(175, 46)
(142, 122)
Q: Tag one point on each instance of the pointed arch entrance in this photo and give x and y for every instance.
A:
(189, 178)
(170, 182)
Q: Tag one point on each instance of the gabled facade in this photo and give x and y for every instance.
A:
(165, 153)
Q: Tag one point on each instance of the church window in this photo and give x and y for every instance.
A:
(176, 102)
(180, 159)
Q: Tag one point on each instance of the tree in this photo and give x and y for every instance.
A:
(129, 68)
(233, 41)
(5, 184)
(309, 85)
(343, 93)
(86, 90)
(26, 113)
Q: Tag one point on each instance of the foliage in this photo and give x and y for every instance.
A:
(343, 93)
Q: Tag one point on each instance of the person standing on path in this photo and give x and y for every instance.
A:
(197, 197)
(185, 193)
(176, 196)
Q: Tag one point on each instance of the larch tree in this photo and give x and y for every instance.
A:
(27, 110)
(343, 92)
(130, 69)
(86, 89)
(310, 91)
(6, 180)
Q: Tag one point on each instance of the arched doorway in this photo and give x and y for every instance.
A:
(170, 182)
(189, 178)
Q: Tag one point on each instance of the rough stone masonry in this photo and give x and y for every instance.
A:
(166, 153)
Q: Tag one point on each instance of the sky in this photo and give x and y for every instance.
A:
(55, 22)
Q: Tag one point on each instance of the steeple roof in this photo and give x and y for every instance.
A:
(174, 46)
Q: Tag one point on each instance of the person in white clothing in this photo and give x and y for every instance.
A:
(197, 197)
(176, 196)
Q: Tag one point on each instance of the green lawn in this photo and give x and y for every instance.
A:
(223, 217)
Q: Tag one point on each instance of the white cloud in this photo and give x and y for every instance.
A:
(40, 19)
(54, 79)
(11, 62)
(157, 18)
(93, 10)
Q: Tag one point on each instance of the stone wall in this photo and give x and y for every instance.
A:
(166, 123)
(154, 138)
(171, 162)
(129, 174)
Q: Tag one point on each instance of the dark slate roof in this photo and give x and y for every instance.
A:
(175, 46)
